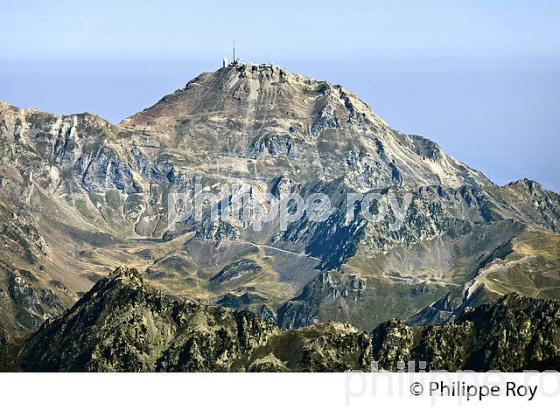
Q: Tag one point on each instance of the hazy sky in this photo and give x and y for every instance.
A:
(482, 78)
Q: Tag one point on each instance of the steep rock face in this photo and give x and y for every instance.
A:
(406, 217)
(328, 287)
(66, 152)
(534, 203)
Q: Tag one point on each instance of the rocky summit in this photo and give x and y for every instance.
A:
(80, 196)
(123, 324)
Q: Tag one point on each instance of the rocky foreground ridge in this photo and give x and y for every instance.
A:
(123, 324)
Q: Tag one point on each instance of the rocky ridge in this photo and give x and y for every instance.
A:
(123, 324)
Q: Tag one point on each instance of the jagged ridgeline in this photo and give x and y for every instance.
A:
(122, 324)
(80, 196)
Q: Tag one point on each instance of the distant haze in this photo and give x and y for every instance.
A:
(481, 78)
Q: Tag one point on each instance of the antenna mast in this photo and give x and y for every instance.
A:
(234, 51)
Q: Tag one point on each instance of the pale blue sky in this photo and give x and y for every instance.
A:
(482, 78)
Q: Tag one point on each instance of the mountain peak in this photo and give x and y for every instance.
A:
(284, 123)
(274, 90)
(105, 190)
(527, 184)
